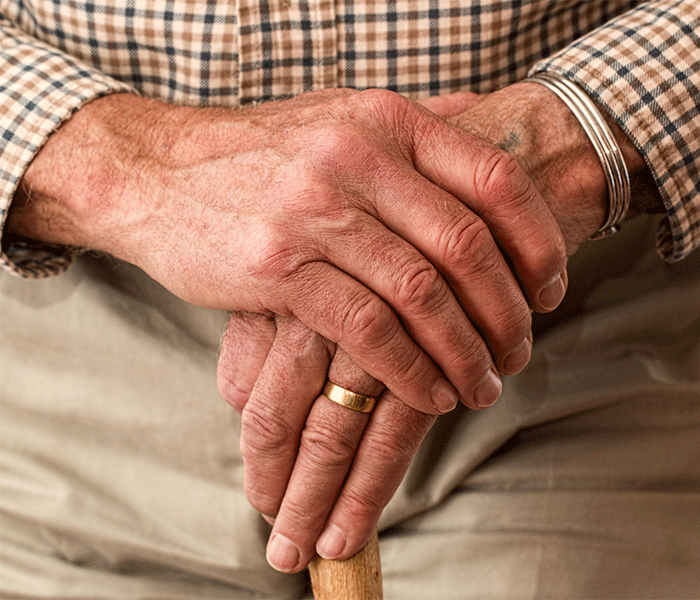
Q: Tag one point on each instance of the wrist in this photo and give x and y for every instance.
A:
(630, 189)
(86, 185)
(532, 123)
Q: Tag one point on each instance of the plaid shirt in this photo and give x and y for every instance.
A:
(639, 60)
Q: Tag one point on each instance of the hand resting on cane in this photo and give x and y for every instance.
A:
(334, 207)
(324, 473)
(358, 213)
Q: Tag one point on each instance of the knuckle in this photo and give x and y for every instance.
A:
(508, 193)
(298, 514)
(396, 113)
(368, 323)
(474, 356)
(364, 502)
(264, 435)
(343, 151)
(395, 438)
(515, 321)
(297, 340)
(383, 101)
(363, 506)
(392, 443)
(274, 256)
(391, 450)
(327, 448)
(315, 192)
(512, 326)
(504, 183)
(413, 372)
(420, 286)
(469, 243)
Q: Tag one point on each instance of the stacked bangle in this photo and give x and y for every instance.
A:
(606, 147)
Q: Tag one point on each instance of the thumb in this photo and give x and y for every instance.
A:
(451, 105)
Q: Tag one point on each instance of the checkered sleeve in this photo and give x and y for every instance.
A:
(644, 69)
(39, 89)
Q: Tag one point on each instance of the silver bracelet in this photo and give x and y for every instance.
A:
(604, 142)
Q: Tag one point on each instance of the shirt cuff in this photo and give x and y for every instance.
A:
(41, 88)
(641, 68)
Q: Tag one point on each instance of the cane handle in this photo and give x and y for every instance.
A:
(357, 578)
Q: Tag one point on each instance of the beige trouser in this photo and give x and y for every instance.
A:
(121, 475)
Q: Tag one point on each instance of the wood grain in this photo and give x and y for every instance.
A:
(358, 578)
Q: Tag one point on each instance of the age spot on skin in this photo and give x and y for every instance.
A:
(512, 142)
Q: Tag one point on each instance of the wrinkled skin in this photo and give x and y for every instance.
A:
(358, 236)
(363, 215)
(321, 473)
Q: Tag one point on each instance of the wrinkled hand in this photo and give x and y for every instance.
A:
(321, 470)
(345, 210)
(300, 449)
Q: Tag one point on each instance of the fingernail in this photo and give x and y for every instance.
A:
(269, 520)
(516, 360)
(331, 543)
(282, 554)
(553, 293)
(444, 396)
(488, 391)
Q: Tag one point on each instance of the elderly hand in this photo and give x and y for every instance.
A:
(360, 214)
(299, 447)
(324, 473)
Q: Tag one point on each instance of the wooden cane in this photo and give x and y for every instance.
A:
(357, 578)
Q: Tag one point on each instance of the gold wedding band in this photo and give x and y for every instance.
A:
(348, 399)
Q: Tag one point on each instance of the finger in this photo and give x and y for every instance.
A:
(460, 245)
(328, 444)
(244, 348)
(501, 192)
(274, 416)
(431, 313)
(389, 442)
(494, 185)
(347, 312)
(451, 105)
